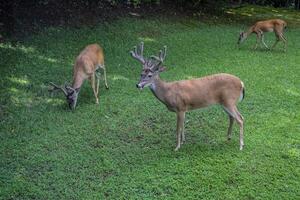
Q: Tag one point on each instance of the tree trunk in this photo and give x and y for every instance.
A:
(297, 4)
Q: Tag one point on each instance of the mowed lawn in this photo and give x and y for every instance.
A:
(123, 148)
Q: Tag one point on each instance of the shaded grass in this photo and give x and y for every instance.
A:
(123, 148)
(254, 12)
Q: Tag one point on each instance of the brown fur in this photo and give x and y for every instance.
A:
(87, 62)
(221, 89)
(276, 25)
(185, 95)
(273, 25)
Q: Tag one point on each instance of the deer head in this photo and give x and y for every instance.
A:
(242, 37)
(70, 93)
(151, 66)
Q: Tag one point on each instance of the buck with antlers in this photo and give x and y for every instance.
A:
(185, 95)
(259, 28)
(86, 65)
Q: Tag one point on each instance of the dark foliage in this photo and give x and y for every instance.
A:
(19, 16)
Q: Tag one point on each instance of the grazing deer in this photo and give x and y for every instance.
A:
(185, 95)
(259, 28)
(86, 65)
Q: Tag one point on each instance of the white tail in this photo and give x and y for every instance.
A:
(185, 95)
(86, 65)
(259, 28)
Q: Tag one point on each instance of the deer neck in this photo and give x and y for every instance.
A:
(250, 30)
(159, 89)
(77, 82)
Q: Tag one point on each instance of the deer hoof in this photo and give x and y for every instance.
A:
(177, 148)
(182, 141)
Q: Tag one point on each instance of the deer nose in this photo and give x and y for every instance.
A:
(137, 85)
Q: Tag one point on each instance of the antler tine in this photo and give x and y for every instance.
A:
(162, 55)
(137, 53)
(56, 87)
(141, 49)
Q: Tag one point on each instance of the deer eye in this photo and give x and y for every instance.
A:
(149, 75)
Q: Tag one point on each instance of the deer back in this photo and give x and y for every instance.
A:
(87, 63)
(196, 93)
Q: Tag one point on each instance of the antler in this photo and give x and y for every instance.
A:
(137, 53)
(162, 55)
(56, 87)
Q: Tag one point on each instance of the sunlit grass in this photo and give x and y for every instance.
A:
(123, 147)
(21, 81)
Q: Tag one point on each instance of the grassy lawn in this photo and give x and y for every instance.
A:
(123, 148)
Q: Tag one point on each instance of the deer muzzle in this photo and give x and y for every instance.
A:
(140, 86)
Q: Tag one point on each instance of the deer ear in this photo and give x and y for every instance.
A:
(70, 89)
(161, 69)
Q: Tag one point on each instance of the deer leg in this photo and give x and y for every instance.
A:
(257, 41)
(182, 131)
(98, 81)
(93, 86)
(283, 39)
(229, 132)
(98, 85)
(240, 121)
(180, 124)
(104, 70)
(277, 40)
(262, 40)
(233, 112)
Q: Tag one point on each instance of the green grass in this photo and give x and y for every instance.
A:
(123, 148)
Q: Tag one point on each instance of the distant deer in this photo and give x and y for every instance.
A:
(259, 28)
(185, 95)
(86, 64)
